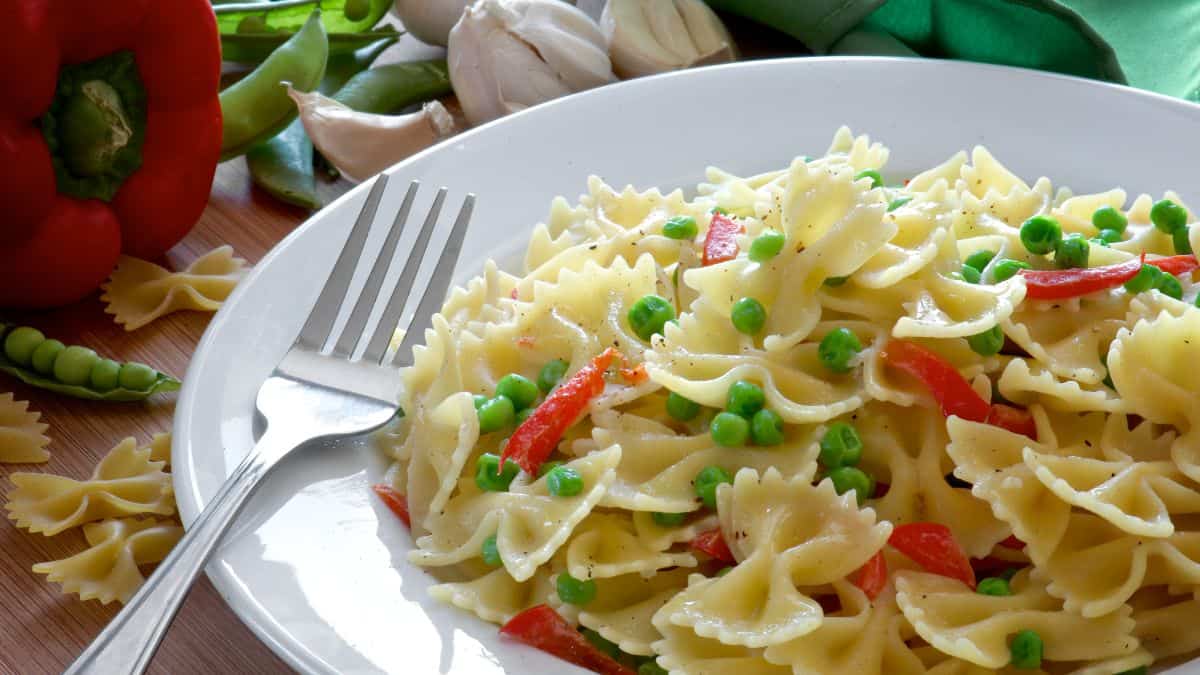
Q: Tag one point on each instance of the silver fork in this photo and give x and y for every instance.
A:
(311, 395)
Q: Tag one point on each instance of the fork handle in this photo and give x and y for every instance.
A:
(129, 641)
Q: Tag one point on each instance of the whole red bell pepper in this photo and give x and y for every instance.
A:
(110, 130)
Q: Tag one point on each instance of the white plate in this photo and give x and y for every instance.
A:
(316, 567)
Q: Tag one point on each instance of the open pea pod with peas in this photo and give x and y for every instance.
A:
(250, 32)
(28, 355)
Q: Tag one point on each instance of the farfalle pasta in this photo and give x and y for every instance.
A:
(22, 436)
(108, 569)
(139, 292)
(813, 421)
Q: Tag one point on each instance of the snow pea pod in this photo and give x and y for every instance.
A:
(76, 371)
(256, 47)
(257, 107)
(391, 87)
(338, 16)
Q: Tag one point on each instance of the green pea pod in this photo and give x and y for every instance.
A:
(255, 48)
(257, 107)
(87, 376)
(283, 165)
(339, 16)
(391, 87)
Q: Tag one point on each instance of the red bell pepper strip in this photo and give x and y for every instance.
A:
(720, 242)
(542, 628)
(872, 576)
(712, 543)
(396, 502)
(949, 388)
(1062, 284)
(1016, 420)
(110, 130)
(1012, 542)
(538, 435)
(932, 546)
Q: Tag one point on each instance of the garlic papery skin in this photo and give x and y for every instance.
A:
(361, 145)
(430, 21)
(508, 55)
(653, 36)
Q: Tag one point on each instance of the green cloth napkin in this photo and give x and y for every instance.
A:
(1151, 44)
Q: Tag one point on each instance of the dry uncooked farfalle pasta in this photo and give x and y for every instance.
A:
(108, 569)
(139, 292)
(22, 437)
(126, 482)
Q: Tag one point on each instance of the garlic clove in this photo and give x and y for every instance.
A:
(654, 36)
(360, 144)
(430, 21)
(507, 55)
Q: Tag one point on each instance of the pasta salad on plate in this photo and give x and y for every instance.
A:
(810, 421)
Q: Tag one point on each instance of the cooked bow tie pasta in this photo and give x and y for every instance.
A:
(816, 421)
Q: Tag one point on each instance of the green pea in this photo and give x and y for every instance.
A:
(253, 23)
(45, 355)
(668, 519)
(748, 316)
(497, 413)
(105, 375)
(74, 365)
(1071, 252)
(1026, 650)
(993, 586)
(1183, 244)
(681, 408)
(729, 430)
(1110, 236)
(1168, 216)
(898, 202)
(724, 570)
(575, 591)
(745, 398)
(652, 667)
(20, 344)
(1108, 218)
(488, 476)
(523, 415)
(846, 478)
(719, 209)
(988, 342)
(489, 552)
(1006, 269)
(840, 446)
(603, 644)
(766, 428)
(1040, 234)
(971, 275)
(766, 246)
(547, 467)
(838, 349)
(834, 282)
(681, 227)
(520, 390)
(979, 259)
(1169, 286)
(356, 10)
(649, 314)
(479, 400)
(563, 481)
(551, 374)
(876, 179)
(706, 483)
(136, 376)
(1146, 278)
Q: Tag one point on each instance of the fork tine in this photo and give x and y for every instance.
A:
(357, 323)
(317, 327)
(378, 345)
(438, 283)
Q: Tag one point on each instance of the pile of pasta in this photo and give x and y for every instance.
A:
(1102, 506)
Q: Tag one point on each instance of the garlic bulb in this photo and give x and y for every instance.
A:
(430, 21)
(361, 145)
(508, 55)
(653, 36)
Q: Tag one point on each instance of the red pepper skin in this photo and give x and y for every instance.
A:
(720, 242)
(949, 388)
(1012, 419)
(1013, 542)
(542, 628)
(55, 249)
(712, 543)
(1062, 284)
(932, 546)
(989, 566)
(872, 576)
(396, 502)
(538, 435)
